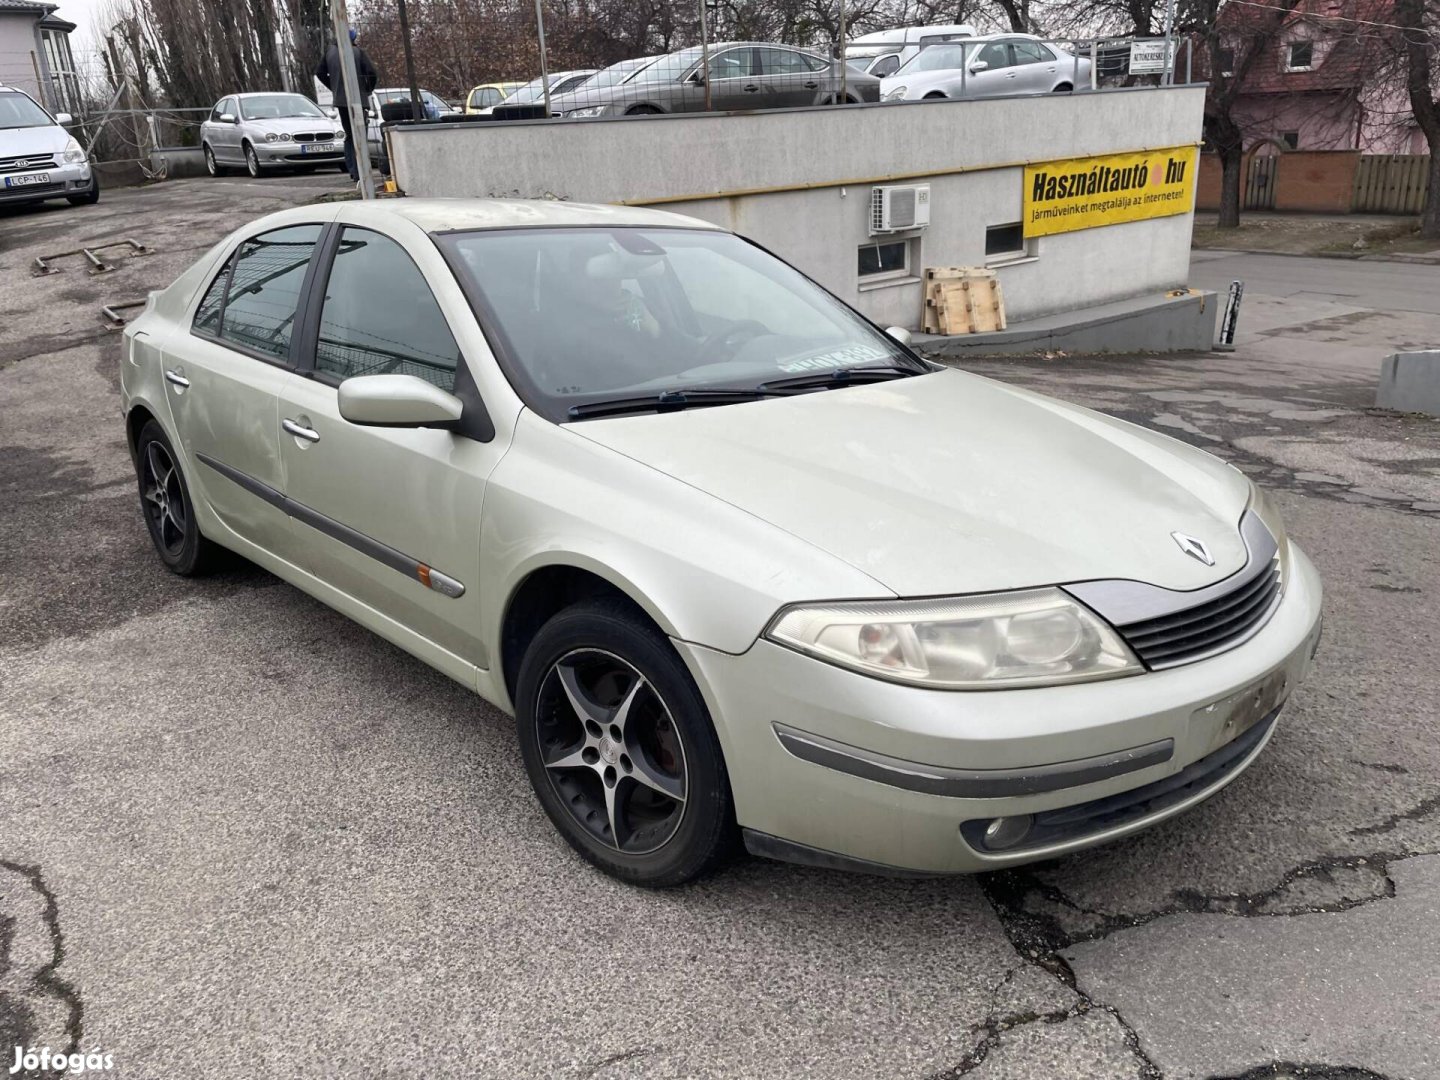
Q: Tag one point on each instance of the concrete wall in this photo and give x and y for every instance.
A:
(798, 181)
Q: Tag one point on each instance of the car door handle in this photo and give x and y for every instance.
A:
(750, 89)
(812, 86)
(1010, 75)
(171, 375)
(300, 431)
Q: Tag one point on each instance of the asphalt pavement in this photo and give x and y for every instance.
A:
(242, 837)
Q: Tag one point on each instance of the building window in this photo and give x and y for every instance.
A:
(1002, 241)
(1299, 56)
(1291, 139)
(892, 257)
(1225, 61)
(64, 82)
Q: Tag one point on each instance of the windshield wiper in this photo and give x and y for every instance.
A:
(669, 400)
(839, 377)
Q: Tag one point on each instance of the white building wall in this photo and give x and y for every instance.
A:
(798, 182)
(17, 43)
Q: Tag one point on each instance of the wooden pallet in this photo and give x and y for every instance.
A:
(962, 300)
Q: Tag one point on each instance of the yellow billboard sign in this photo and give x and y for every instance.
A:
(1063, 196)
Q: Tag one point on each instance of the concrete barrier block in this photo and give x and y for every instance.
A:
(1410, 382)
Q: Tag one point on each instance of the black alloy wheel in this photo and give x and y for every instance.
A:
(620, 749)
(165, 501)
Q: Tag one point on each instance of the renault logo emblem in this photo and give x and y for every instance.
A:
(1196, 549)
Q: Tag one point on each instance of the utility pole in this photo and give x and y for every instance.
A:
(416, 111)
(354, 103)
(544, 70)
(844, 67)
(1169, 76)
(705, 52)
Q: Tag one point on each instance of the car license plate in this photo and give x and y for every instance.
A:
(26, 181)
(318, 148)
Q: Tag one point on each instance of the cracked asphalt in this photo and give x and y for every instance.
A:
(240, 836)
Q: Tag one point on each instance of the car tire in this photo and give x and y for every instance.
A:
(163, 490)
(252, 162)
(620, 749)
(213, 167)
(91, 197)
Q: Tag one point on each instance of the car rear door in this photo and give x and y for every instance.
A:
(390, 516)
(786, 79)
(224, 376)
(1038, 69)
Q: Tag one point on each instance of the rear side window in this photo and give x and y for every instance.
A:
(782, 62)
(1031, 52)
(207, 315)
(379, 316)
(258, 314)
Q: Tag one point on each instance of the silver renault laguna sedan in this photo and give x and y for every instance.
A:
(740, 563)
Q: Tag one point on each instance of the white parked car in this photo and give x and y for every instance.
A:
(39, 159)
(431, 105)
(886, 51)
(987, 67)
(739, 562)
(264, 131)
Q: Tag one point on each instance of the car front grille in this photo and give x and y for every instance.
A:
(12, 165)
(317, 136)
(1207, 628)
(1069, 823)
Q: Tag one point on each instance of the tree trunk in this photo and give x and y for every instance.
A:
(1231, 160)
(1430, 215)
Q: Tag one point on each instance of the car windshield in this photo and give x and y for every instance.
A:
(674, 65)
(937, 58)
(600, 314)
(18, 111)
(277, 107)
(529, 92)
(617, 73)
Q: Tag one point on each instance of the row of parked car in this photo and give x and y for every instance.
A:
(270, 130)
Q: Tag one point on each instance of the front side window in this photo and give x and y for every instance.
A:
(938, 58)
(589, 315)
(996, 55)
(885, 66)
(277, 107)
(735, 64)
(17, 110)
(259, 312)
(379, 316)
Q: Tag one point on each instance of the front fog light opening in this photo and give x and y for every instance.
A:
(1003, 833)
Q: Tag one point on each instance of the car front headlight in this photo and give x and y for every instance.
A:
(898, 94)
(270, 136)
(1034, 637)
(589, 110)
(74, 152)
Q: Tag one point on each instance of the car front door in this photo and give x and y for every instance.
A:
(997, 77)
(390, 516)
(224, 378)
(226, 144)
(734, 82)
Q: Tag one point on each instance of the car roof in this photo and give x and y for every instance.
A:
(267, 93)
(445, 215)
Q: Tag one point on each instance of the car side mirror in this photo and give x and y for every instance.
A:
(63, 118)
(396, 401)
(698, 78)
(228, 118)
(977, 66)
(900, 334)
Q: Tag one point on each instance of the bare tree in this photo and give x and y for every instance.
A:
(1418, 20)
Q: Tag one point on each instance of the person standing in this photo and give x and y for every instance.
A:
(331, 75)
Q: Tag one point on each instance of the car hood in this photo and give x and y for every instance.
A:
(950, 483)
(286, 124)
(19, 142)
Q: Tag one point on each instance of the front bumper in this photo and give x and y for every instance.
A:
(69, 179)
(901, 769)
(290, 153)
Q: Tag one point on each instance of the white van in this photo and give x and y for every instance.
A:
(885, 51)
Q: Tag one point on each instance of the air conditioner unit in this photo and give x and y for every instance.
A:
(899, 208)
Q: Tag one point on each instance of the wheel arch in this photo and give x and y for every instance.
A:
(545, 590)
(139, 415)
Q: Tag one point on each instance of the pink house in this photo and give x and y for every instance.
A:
(1327, 81)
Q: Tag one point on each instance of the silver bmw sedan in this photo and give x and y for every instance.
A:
(742, 565)
(261, 132)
